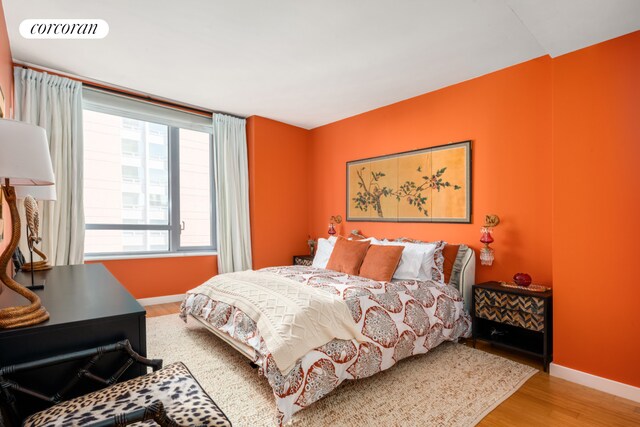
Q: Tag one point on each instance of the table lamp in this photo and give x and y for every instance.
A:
(487, 253)
(24, 161)
(334, 219)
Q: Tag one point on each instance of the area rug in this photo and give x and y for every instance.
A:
(453, 385)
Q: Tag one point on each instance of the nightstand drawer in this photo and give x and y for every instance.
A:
(516, 310)
(526, 304)
(534, 322)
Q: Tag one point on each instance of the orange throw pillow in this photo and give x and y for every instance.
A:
(381, 262)
(347, 256)
(450, 252)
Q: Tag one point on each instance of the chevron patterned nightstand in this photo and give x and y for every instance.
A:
(515, 319)
(305, 260)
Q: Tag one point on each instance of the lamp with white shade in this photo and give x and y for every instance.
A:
(24, 161)
(40, 193)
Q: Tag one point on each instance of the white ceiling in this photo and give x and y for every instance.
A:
(311, 63)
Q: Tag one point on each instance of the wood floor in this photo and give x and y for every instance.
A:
(541, 401)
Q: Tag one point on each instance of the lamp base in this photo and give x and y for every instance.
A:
(35, 287)
(41, 265)
(36, 266)
(27, 315)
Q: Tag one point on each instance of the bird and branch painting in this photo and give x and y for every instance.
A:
(428, 185)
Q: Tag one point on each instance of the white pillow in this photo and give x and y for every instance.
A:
(373, 240)
(416, 261)
(325, 248)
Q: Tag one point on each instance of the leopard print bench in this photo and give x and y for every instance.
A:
(183, 398)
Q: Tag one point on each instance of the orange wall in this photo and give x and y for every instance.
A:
(278, 191)
(152, 277)
(596, 209)
(553, 138)
(507, 114)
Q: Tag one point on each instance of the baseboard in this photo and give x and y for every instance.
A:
(161, 300)
(603, 384)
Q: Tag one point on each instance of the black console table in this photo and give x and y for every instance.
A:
(88, 307)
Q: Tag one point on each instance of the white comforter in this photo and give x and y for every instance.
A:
(293, 318)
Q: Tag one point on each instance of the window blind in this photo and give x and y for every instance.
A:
(121, 105)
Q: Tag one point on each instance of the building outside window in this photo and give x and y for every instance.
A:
(148, 178)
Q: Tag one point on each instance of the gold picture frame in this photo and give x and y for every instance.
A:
(427, 185)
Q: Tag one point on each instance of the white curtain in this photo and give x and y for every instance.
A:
(232, 193)
(55, 103)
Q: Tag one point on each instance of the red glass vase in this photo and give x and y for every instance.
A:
(522, 279)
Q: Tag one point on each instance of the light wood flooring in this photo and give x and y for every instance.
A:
(541, 401)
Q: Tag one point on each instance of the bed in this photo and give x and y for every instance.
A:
(396, 319)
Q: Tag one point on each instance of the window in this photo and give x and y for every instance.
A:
(158, 152)
(130, 147)
(158, 200)
(131, 200)
(131, 173)
(195, 188)
(148, 178)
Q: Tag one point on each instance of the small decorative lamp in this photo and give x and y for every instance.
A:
(337, 219)
(486, 253)
(24, 160)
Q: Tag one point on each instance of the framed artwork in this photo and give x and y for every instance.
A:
(428, 185)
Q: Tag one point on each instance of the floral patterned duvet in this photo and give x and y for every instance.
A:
(399, 319)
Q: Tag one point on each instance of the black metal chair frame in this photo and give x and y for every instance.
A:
(155, 411)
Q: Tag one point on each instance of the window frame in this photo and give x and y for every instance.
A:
(174, 226)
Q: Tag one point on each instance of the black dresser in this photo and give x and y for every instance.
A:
(88, 307)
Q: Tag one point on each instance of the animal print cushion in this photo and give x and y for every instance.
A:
(183, 398)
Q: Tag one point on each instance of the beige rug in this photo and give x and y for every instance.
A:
(453, 385)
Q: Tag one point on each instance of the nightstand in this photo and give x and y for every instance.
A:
(513, 318)
(305, 260)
